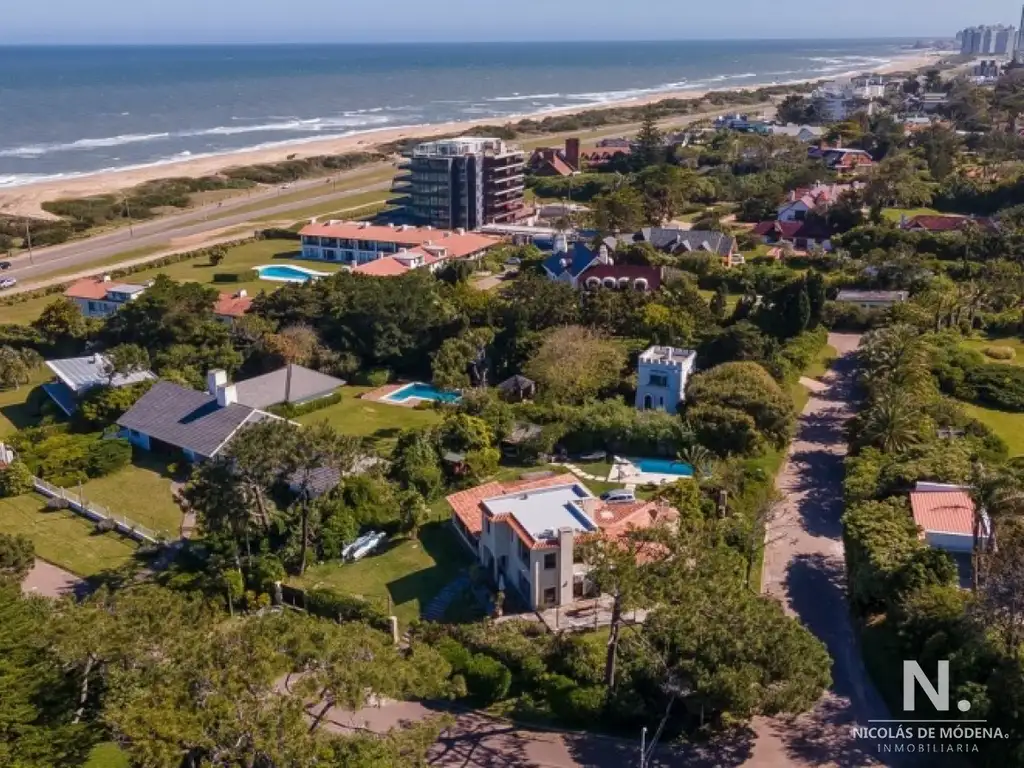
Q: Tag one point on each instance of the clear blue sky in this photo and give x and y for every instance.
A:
(156, 21)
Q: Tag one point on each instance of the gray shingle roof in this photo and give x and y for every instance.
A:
(270, 388)
(672, 240)
(80, 374)
(186, 418)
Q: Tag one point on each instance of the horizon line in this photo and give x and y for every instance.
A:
(431, 43)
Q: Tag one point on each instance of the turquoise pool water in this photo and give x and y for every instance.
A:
(421, 391)
(286, 273)
(664, 467)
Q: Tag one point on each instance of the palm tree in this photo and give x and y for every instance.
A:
(698, 457)
(892, 423)
(998, 496)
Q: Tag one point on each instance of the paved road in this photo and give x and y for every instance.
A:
(81, 253)
(804, 568)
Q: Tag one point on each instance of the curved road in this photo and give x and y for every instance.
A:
(81, 253)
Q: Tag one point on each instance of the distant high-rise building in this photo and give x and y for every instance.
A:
(1018, 51)
(463, 183)
(998, 40)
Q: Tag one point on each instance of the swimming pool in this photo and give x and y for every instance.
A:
(663, 467)
(287, 273)
(419, 390)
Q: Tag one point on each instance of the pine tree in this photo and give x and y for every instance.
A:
(720, 302)
(649, 148)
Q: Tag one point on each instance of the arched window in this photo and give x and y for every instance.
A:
(648, 402)
(609, 282)
(640, 284)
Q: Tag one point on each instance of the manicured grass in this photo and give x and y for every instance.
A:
(64, 538)
(345, 207)
(820, 365)
(380, 422)
(1010, 341)
(19, 408)
(894, 214)
(408, 571)
(1009, 426)
(140, 492)
(107, 755)
(24, 312)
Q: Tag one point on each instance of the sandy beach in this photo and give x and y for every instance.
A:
(26, 200)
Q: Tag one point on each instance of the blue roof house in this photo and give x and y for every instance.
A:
(569, 262)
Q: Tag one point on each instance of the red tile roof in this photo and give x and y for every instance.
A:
(791, 229)
(631, 271)
(944, 223)
(232, 305)
(87, 288)
(457, 245)
(388, 266)
(943, 511)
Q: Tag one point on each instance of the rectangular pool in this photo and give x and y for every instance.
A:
(663, 467)
(419, 390)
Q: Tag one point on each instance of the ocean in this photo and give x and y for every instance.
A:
(74, 110)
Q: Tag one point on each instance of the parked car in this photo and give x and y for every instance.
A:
(5, 265)
(619, 497)
(7, 282)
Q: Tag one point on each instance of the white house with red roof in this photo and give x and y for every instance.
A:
(938, 223)
(944, 515)
(101, 296)
(525, 533)
(231, 306)
(801, 201)
(358, 243)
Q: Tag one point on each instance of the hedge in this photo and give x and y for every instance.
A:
(334, 605)
(294, 410)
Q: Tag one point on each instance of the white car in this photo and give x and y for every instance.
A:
(618, 497)
(7, 282)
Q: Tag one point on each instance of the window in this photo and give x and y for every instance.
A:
(658, 380)
(549, 596)
(799, 215)
(550, 561)
(524, 552)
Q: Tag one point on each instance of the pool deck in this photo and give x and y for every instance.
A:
(381, 394)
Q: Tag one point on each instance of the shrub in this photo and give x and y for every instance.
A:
(576, 706)
(998, 386)
(376, 377)
(106, 525)
(334, 605)
(487, 679)
(294, 410)
(15, 479)
(227, 277)
(55, 503)
(999, 353)
(104, 457)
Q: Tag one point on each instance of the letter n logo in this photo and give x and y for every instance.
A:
(938, 695)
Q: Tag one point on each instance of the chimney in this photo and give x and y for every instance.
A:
(105, 279)
(216, 379)
(227, 395)
(572, 153)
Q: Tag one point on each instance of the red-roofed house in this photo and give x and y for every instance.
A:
(598, 157)
(800, 202)
(101, 297)
(524, 533)
(231, 306)
(945, 516)
(357, 242)
(554, 161)
(943, 223)
(802, 235)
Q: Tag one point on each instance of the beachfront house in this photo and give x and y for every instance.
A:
(675, 241)
(172, 418)
(524, 534)
(944, 515)
(76, 376)
(804, 133)
(872, 299)
(358, 244)
(100, 296)
(662, 374)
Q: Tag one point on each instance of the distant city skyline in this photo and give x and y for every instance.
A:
(269, 21)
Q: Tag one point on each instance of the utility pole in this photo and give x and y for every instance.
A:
(643, 747)
(128, 213)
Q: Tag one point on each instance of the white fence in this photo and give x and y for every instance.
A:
(97, 513)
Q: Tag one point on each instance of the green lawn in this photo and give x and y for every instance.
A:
(894, 214)
(19, 408)
(409, 572)
(343, 207)
(141, 492)
(107, 755)
(1009, 426)
(822, 362)
(366, 418)
(1010, 341)
(64, 538)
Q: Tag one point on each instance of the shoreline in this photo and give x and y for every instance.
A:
(26, 199)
